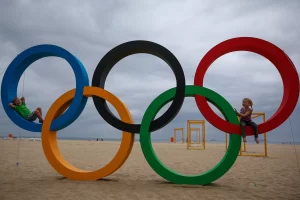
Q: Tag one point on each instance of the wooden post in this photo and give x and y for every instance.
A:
(265, 138)
(255, 115)
(178, 129)
(197, 135)
(189, 130)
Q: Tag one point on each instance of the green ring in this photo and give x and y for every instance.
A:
(200, 179)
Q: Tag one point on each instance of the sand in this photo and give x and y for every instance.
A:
(275, 177)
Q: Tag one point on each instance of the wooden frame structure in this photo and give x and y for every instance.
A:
(189, 134)
(254, 115)
(175, 138)
(197, 130)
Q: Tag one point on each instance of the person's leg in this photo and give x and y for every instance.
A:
(243, 128)
(32, 117)
(40, 110)
(38, 115)
(254, 126)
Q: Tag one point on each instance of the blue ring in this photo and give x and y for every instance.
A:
(17, 67)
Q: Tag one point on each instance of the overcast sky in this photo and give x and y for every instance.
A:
(89, 29)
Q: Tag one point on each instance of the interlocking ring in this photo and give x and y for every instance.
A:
(122, 51)
(275, 55)
(76, 99)
(207, 177)
(50, 145)
(17, 67)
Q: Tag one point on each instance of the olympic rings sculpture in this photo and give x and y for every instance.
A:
(76, 99)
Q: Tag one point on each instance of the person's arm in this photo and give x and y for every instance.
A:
(237, 113)
(11, 105)
(23, 99)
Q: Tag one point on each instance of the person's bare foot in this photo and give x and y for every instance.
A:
(256, 140)
(244, 139)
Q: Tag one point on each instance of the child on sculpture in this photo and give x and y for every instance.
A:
(245, 119)
(19, 105)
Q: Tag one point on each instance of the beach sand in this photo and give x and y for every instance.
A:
(275, 177)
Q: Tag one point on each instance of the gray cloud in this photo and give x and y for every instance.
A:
(188, 29)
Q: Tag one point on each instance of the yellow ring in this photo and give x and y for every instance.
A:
(49, 140)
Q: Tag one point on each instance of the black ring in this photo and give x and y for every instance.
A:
(122, 51)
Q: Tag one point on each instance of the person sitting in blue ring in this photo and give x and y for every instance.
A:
(19, 105)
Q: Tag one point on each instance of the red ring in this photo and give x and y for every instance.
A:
(274, 54)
